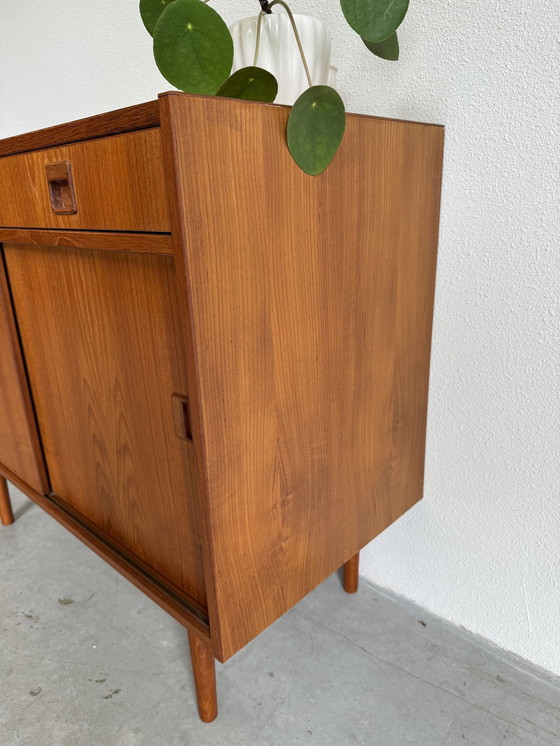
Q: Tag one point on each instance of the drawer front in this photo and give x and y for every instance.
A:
(111, 184)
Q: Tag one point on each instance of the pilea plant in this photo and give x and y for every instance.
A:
(194, 51)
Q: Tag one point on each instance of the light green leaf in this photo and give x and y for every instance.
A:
(193, 47)
(374, 20)
(252, 84)
(150, 10)
(316, 128)
(387, 50)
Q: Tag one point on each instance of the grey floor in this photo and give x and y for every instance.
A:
(87, 660)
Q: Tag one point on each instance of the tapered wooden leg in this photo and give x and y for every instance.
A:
(6, 514)
(204, 678)
(351, 574)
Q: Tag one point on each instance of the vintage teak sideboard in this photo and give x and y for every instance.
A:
(214, 367)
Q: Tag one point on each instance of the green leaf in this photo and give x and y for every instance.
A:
(387, 50)
(316, 128)
(150, 10)
(193, 47)
(374, 20)
(252, 84)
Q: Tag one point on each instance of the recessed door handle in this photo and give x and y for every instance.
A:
(182, 417)
(61, 188)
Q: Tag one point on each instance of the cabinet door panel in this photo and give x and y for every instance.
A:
(20, 452)
(99, 330)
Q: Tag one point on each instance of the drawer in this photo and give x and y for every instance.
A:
(111, 184)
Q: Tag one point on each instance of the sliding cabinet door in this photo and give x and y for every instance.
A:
(20, 452)
(106, 364)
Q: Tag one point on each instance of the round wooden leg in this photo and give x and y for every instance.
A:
(351, 574)
(6, 513)
(204, 677)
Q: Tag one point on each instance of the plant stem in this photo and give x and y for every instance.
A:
(265, 5)
(258, 43)
(296, 34)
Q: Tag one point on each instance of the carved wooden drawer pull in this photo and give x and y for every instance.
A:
(61, 188)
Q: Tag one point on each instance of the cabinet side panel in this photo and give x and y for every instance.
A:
(20, 451)
(99, 334)
(312, 304)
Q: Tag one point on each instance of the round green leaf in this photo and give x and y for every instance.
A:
(316, 128)
(193, 47)
(374, 20)
(252, 84)
(387, 50)
(150, 10)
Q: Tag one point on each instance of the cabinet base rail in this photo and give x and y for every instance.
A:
(202, 656)
(176, 606)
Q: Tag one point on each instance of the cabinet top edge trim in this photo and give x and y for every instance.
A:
(247, 103)
(129, 119)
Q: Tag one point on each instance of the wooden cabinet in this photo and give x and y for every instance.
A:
(223, 361)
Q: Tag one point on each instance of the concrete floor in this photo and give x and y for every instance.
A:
(87, 660)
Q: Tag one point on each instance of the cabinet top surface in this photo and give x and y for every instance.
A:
(140, 116)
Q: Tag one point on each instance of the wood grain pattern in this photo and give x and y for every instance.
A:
(119, 185)
(143, 580)
(140, 243)
(351, 574)
(131, 118)
(311, 303)
(204, 678)
(104, 359)
(20, 451)
(61, 188)
(298, 327)
(177, 210)
(133, 561)
(6, 513)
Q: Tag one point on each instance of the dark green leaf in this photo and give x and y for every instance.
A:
(387, 50)
(150, 10)
(193, 47)
(316, 128)
(374, 20)
(251, 83)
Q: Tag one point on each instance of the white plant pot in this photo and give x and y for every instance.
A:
(279, 52)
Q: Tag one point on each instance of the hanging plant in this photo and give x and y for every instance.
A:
(194, 51)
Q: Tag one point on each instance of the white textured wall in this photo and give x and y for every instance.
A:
(483, 548)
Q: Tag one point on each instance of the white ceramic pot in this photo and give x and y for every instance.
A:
(279, 52)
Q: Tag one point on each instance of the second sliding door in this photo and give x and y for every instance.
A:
(20, 451)
(99, 332)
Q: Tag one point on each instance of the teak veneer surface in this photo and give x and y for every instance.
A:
(104, 360)
(181, 609)
(128, 119)
(119, 184)
(311, 309)
(293, 312)
(141, 243)
(6, 512)
(20, 451)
